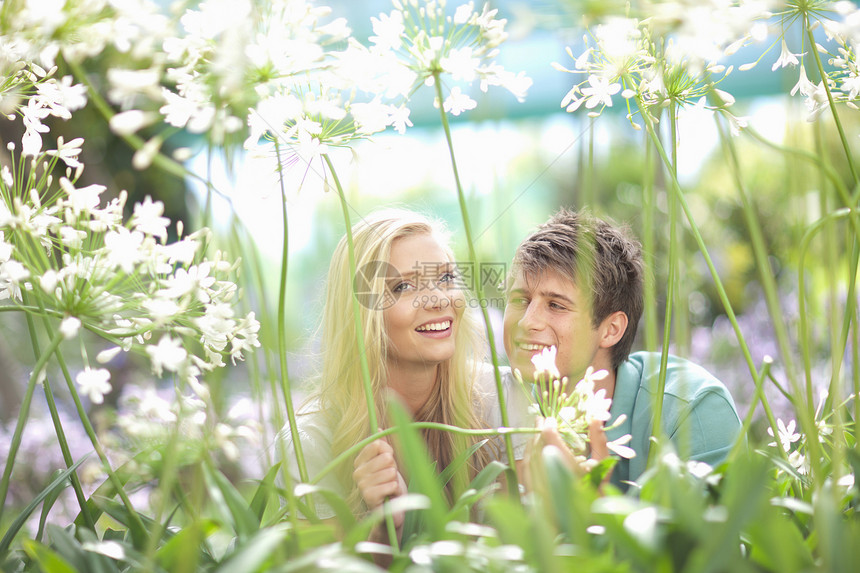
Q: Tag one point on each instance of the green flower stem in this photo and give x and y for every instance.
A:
(254, 268)
(681, 312)
(282, 336)
(356, 309)
(479, 289)
(166, 481)
(758, 397)
(58, 428)
(826, 169)
(344, 456)
(703, 249)
(649, 243)
(393, 542)
(22, 417)
(844, 139)
(282, 355)
(694, 229)
(760, 253)
(672, 289)
(807, 415)
(88, 428)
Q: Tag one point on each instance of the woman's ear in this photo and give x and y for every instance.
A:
(612, 329)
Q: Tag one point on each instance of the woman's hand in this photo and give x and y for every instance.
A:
(377, 477)
(550, 436)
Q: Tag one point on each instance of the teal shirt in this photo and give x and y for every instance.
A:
(699, 415)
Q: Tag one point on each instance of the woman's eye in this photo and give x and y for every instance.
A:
(401, 287)
(448, 278)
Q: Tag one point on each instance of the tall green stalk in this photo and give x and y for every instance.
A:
(359, 335)
(843, 138)
(479, 289)
(282, 355)
(58, 426)
(766, 277)
(649, 246)
(23, 415)
(282, 335)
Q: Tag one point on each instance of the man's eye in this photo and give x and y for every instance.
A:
(519, 301)
(556, 306)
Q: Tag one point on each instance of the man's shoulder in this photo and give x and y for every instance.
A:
(685, 380)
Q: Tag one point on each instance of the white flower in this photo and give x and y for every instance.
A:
(457, 102)
(371, 117)
(597, 406)
(148, 218)
(168, 353)
(70, 326)
(460, 63)
(600, 92)
(85, 199)
(786, 58)
(851, 86)
(464, 13)
(108, 354)
(787, 435)
(617, 446)
(244, 337)
(545, 363)
(389, 31)
(68, 152)
(61, 97)
(12, 273)
(94, 383)
(399, 118)
(123, 248)
(803, 85)
(131, 121)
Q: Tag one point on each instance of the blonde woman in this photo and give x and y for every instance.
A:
(423, 348)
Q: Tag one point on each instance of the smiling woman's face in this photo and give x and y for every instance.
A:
(422, 324)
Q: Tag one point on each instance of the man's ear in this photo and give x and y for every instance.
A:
(612, 329)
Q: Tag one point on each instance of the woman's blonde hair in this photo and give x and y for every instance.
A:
(341, 394)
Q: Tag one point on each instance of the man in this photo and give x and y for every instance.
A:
(576, 284)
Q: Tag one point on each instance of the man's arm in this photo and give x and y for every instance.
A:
(707, 428)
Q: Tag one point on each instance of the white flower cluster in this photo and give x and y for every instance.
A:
(675, 54)
(363, 90)
(65, 254)
(41, 30)
(572, 410)
(147, 418)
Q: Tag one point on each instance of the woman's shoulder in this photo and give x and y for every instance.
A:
(312, 424)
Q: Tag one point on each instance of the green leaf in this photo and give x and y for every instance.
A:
(745, 495)
(21, 518)
(107, 490)
(446, 474)
(420, 469)
(230, 503)
(183, 551)
(342, 511)
(255, 551)
(264, 492)
(48, 560)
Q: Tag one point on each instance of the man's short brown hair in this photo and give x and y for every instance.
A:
(599, 257)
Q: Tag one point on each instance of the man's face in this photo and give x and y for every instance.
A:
(549, 310)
